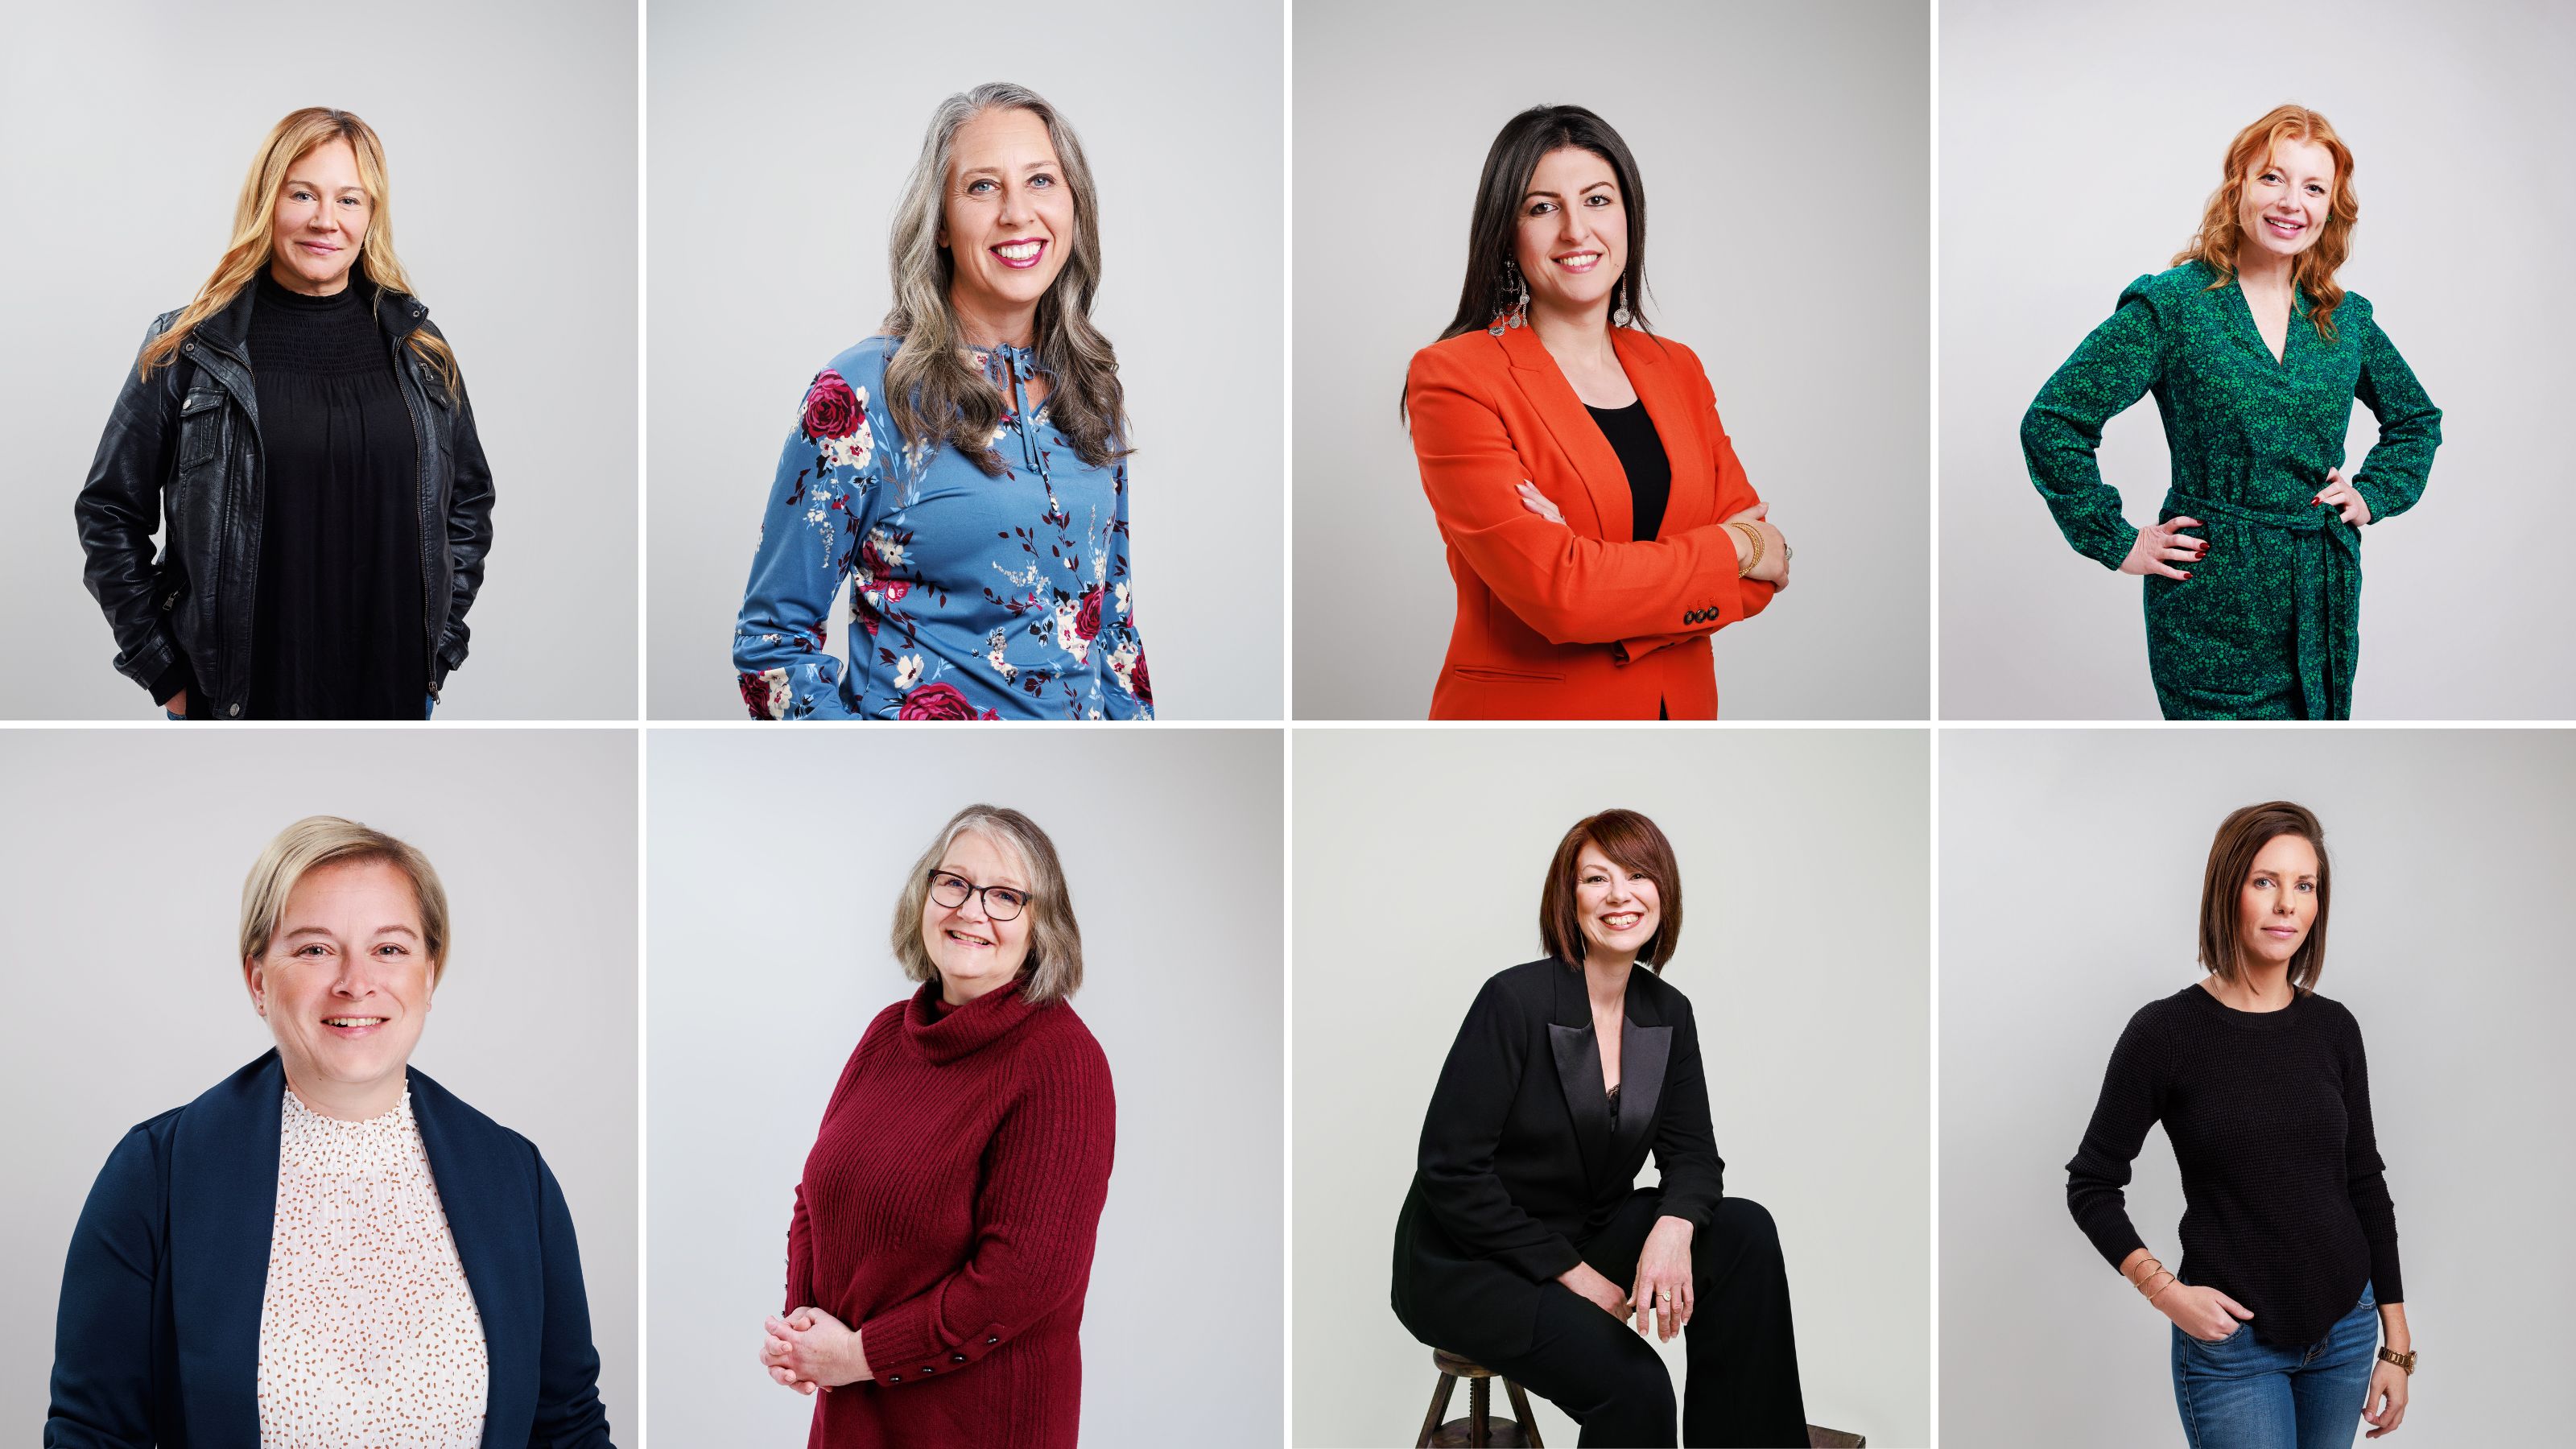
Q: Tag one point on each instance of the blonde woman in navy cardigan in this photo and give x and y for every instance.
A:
(327, 1247)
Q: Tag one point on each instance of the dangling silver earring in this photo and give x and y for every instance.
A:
(1515, 309)
(1621, 316)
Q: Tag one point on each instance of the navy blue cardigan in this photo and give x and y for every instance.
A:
(157, 1339)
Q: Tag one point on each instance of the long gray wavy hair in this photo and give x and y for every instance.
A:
(933, 394)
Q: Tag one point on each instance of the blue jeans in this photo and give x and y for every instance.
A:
(2242, 1393)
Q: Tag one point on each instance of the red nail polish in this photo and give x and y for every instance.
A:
(2186, 575)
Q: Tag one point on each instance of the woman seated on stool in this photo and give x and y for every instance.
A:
(1524, 1243)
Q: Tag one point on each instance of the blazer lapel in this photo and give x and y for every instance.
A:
(1605, 482)
(222, 1213)
(1675, 413)
(1578, 1070)
(494, 1228)
(1644, 1051)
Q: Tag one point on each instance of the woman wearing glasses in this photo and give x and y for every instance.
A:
(942, 1237)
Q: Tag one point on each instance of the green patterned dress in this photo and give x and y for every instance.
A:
(2268, 625)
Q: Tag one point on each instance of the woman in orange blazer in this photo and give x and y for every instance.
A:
(1597, 522)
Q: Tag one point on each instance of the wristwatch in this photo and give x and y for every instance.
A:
(2405, 1361)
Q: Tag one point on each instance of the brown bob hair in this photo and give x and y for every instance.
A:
(2241, 837)
(1633, 841)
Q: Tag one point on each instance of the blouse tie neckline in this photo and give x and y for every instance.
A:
(943, 1034)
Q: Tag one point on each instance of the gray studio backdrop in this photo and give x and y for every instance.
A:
(510, 133)
(121, 865)
(781, 137)
(1781, 148)
(775, 866)
(1807, 958)
(2046, 215)
(2070, 885)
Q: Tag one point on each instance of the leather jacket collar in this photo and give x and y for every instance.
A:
(398, 315)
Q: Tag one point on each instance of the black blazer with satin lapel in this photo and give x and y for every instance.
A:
(1518, 1165)
(157, 1339)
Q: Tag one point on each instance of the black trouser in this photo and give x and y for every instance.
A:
(1743, 1354)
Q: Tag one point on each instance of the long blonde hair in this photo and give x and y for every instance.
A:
(254, 225)
(933, 395)
(2311, 271)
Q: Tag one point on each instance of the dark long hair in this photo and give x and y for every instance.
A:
(1492, 230)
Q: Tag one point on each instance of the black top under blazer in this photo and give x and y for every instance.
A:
(1519, 1163)
(157, 1339)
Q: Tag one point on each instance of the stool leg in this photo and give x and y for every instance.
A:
(1439, 1406)
(1480, 1428)
(1520, 1408)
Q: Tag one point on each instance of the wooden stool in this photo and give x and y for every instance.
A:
(1479, 1429)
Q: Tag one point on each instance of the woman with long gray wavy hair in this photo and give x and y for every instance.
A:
(965, 469)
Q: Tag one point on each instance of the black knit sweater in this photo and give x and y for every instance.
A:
(2285, 1208)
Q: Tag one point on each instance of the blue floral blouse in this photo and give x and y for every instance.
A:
(971, 597)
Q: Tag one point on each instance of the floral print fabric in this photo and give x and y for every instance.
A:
(971, 597)
(2269, 624)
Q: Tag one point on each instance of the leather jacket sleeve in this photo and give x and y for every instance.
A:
(469, 535)
(119, 510)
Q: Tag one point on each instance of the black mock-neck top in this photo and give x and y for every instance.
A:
(337, 632)
(2286, 1209)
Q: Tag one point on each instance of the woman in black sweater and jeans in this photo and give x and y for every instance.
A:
(2289, 1238)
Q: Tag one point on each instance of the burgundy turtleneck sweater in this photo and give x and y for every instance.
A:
(948, 1212)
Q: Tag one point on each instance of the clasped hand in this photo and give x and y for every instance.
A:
(810, 1349)
(1663, 1285)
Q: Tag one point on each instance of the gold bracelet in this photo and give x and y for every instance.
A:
(2161, 1292)
(1753, 536)
(2149, 1267)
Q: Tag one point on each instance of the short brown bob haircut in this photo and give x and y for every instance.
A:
(1633, 841)
(2241, 837)
(1053, 970)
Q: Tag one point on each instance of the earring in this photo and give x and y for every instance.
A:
(1515, 308)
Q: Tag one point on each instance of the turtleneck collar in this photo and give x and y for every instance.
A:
(942, 1034)
(273, 293)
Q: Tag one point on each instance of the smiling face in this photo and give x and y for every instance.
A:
(322, 216)
(2278, 902)
(1007, 216)
(1618, 908)
(2287, 197)
(974, 952)
(345, 985)
(1572, 238)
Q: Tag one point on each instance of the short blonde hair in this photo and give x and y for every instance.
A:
(320, 840)
(1054, 967)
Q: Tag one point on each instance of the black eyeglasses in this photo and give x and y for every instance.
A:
(1000, 902)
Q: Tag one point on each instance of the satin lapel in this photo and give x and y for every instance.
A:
(222, 1213)
(1674, 409)
(1605, 482)
(1644, 1052)
(1578, 1070)
(495, 1231)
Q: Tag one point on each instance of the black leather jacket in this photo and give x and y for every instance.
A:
(183, 447)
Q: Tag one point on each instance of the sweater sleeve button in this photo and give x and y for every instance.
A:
(992, 1340)
(894, 1378)
(957, 1358)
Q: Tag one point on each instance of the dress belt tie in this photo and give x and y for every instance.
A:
(2328, 602)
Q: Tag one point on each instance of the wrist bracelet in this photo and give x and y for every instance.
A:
(1753, 536)
(2159, 1293)
(2404, 1361)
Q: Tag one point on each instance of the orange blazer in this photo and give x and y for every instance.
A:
(1575, 620)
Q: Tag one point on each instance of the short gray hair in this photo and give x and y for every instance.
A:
(1054, 967)
(319, 840)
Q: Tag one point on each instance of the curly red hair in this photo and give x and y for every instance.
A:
(2313, 270)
